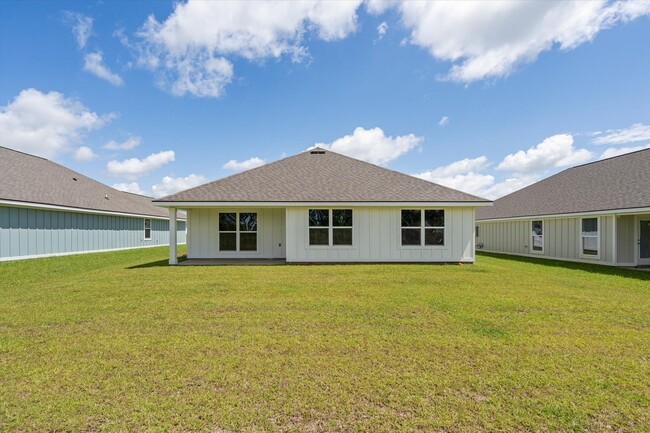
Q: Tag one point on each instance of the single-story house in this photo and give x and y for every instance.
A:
(319, 206)
(48, 210)
(597, 213)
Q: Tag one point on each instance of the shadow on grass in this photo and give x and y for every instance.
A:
(587, 267)
(157, 264)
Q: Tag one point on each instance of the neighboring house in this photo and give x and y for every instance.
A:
(597, 212)
(319, 206)
(49, 210)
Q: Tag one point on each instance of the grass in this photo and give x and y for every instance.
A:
(121, 342)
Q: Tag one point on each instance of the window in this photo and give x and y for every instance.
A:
(330, 227)
(420, 227)
(589, 237)
(237, 231)
(537, 233)
(147, 229)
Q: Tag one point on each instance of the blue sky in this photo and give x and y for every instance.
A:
(154, 97)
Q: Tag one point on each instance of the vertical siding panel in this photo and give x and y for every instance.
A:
(5, 232)
(40, 232)
(375, 233)
(549, 238)
(24, 232)
(574, 241)
(14, 232)
(31, 232)
(47, 232)
(54, 220)
(74, 231)
(393, 218)
(606, 254)
(457, 234)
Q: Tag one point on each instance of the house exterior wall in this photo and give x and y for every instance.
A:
(562, 238)
(203, 234)
(376, 238)
(32, 232)
(625, 239)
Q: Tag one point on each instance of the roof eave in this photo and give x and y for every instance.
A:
(185, 204)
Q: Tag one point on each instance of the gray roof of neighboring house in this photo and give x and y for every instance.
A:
(621, 182)
(320, 176)
(33, 179)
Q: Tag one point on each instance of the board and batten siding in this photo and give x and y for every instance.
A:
(626, 248)
(203, 234)
(562, 238)
(30, 232)
(376, 237)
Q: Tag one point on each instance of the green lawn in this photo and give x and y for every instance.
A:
(121, 342)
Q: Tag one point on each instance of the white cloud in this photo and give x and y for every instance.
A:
(444, 121)
(462, 175)
(134, 167)
(467, 165)
(129, 187)
(84, 154)
(508, 186)
(616, 151)
(489, 39)
(170, 185)
(94, 63)
(465, 175)
(82, 26)
(381, 29)
(244, 165)
(636, 132)
(190, 49)
(46, 124)
(373, 145)
(128, 144)
(554, 151)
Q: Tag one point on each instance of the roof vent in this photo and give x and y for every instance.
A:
(106, 196)
(74, 178)
(317, 152)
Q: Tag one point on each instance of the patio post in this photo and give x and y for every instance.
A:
(173, 260)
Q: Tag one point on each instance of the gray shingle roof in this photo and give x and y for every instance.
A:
(32, 179)
(621, 182)
(320, 176)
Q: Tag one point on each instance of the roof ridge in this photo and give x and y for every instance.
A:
(419, 179)
(230, 176)
(25, 153)
(72, 187)
(301, 169)
(606, 159)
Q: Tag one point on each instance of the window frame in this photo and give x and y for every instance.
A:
(238, 232)
(582, 237)
(144, 227)
(533, 236)
(423, 227)
(330, 229)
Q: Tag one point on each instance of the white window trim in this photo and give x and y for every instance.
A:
(581, 237)
(533, 236)
(237, 232)
(144, 229)
(330, 229)
(422, 228)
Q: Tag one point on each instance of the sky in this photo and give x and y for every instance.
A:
(485, 97)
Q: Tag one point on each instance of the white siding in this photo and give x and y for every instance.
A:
(203, 234)
(625, 239)
(562, 238)
(376, 238)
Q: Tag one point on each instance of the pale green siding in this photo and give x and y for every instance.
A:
(562, 238)
(38, 232)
